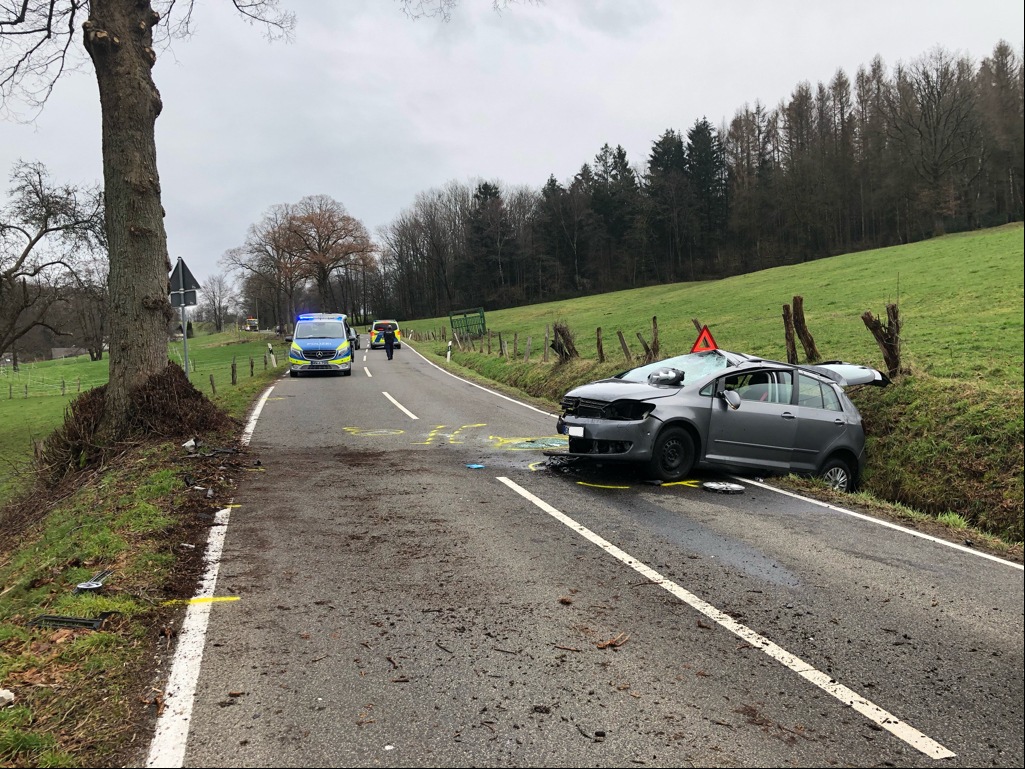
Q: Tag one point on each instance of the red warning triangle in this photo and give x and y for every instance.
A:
(705, 341)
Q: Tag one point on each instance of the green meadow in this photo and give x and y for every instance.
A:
(33, 399)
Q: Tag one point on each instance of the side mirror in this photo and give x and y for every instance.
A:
(731, 397)
(288, 339)
(670, 377)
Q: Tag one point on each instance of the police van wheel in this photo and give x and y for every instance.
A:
(293, 373)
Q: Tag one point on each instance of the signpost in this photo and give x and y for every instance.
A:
(182, 290)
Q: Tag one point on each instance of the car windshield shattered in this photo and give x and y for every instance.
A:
(693, 366)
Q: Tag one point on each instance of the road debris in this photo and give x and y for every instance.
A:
(615, 643)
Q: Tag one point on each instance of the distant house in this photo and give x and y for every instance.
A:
(56, 353)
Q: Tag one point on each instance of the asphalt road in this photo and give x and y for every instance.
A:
(407, 580)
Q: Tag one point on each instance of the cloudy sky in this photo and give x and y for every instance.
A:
(370, 107)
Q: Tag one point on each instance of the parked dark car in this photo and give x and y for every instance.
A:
(724, 410)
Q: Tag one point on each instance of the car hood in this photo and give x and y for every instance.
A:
(617, 389)
(849, 374)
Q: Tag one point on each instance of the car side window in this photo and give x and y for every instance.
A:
(762, 386)
(816, 395)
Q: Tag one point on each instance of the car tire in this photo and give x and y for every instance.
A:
(347, 373)
(838, 474)
(673, 454)
(293, 373)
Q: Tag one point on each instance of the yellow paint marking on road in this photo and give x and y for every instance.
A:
(254, 469)
(213, 599)
(600, 486)
(436, 432)
(371, 432)
(692, 484)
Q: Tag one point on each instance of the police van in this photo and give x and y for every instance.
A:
(320, 342)
(377, 330)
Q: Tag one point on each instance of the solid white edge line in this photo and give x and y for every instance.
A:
(481, 387)
(887, 524)
(873, 712)
(400, 407)
(867, 518)
(167, 749)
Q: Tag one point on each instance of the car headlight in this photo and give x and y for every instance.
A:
(633, 411)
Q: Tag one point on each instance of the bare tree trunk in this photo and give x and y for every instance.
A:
(118, 36)
(810, 350)
(788, 332)
(887, 337)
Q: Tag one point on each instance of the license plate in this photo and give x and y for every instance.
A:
(576, 432)
(317, 363)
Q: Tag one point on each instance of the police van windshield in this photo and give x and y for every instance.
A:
(321, 330)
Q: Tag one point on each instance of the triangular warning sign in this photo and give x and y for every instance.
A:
(182, 279)
(705, 341)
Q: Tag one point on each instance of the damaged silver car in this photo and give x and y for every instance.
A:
(724, 410)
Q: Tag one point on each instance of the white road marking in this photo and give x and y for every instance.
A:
(871, 711)
(172, 730)
(485, 389)
(368, 372)
(887, 524)
(400, 407)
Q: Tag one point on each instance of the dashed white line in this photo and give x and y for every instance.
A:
(870, 710)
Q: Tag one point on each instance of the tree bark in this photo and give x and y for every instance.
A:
(811, 352)
(788, 332)
(887, 337)
(119, 38)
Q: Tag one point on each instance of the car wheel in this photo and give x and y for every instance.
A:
(673, 454)
(293, 373)
(837, 473)
(347, 373)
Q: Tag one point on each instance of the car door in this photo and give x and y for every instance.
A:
(822, 424)
(761, 432)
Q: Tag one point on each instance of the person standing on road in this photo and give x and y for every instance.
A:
(389, 341)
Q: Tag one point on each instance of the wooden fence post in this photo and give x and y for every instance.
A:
(887, 337)
(788, 333)
(63, 392)
(489, 341)
(516, 344)
(810, 350)
(526, 356)
(697, 324)
(213, 387)
(600, 347)
(648, 357)
(655, 346)
(234, 370)
(626, 350)
(252, 364)
(544, 354)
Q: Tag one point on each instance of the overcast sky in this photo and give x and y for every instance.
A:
(371, 108)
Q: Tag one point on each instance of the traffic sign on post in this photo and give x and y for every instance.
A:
(182, 280)
(182, 288)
